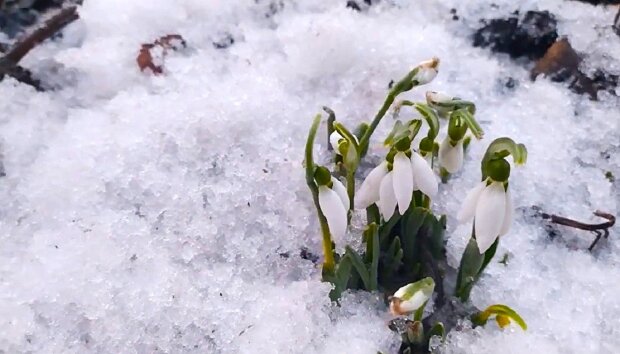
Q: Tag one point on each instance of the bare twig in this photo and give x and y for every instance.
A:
(9, 62)
(49, 28)
(600, 230)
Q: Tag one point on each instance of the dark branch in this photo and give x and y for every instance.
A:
(48, 29)
(9, 63)
(600, 230)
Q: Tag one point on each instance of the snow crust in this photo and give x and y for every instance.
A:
(145, 214)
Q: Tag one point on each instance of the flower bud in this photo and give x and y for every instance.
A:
(427, 70)
(412, 297)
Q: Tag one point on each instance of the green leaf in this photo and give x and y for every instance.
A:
(371, 237)
(373, 215)
(431, 118)
(420, 312)
(482, 317)
(360, 130)
(471, 262)
(386, 229)
(339, 278)
(410, 226)
(360, 267)
(374, 264)
(436, 229)
(488, 256)
(471, 122)
(437, 330)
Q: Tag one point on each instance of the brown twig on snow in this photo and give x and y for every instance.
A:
(600, 230)
(9, 62)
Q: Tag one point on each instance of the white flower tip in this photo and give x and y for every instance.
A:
(334, 138)
(334, 211)
(402, 181)
(490, 215)
(437, 97)
(411, 297)
(451, 157)
(432, 63)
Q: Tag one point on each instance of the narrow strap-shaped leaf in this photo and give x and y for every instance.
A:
(374, 264)
(386, 229)
(468, 270)
(410, 226)
(339, 278)
(360, 267)
(437, 330)
(488, 256)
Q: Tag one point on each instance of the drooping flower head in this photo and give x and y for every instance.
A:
(490, 202)
(333, 201)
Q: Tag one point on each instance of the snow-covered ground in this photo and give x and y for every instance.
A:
(147, 214)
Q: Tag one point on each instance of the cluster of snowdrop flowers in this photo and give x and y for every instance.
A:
(392, 183)
(404, 239)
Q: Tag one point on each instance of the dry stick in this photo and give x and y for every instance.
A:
(601, 229)
(9, 62)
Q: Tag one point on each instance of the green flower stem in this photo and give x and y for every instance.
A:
(351, 188)
(375, 122)
(330, 125)
(501, 148)
(329, 264)
(427, 113)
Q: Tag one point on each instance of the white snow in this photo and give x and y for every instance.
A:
(166, 213)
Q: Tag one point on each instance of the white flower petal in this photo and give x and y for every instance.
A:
(451, 157)
(334, 138)
(413, 304)
(508, 216)
(368, 193)
(341, 190)
(490, 212)
(437, 97)
(468, 208)
(402, 181)
(423, 175)
(334, 211)
(387, 199)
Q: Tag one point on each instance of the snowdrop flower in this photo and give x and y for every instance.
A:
(434, 98)
(345, 149)
(333, 201)
(451, 155)
(334, 140)
(427, 70)
(490, 205)
(411, 297)
(390, 185)
(334, 204)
